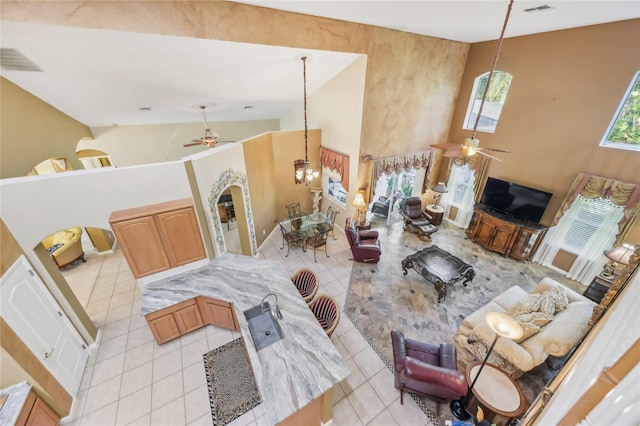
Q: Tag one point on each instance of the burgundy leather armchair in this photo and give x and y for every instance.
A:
(426, 369)
(365, 246)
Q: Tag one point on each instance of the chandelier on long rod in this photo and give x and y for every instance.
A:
(303, 171)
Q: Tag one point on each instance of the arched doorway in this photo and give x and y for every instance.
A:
(233, 183)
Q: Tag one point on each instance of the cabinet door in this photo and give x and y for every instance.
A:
(502, 238)
(484, 233)
(141, 245)
(42, 415)
(473, 224)
(181, 235)
(527, 242)
(164, 328)
(220, 314)
(189, 319)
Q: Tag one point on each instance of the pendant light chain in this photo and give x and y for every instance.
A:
(304, 80)
(493, 67)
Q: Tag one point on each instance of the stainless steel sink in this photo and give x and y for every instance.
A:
(263, 326)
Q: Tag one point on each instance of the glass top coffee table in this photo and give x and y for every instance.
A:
(438, 267)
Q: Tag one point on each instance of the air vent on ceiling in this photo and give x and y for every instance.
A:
(538, 8)
(14, 60)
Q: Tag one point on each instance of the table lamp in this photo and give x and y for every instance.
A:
(620, 254)
(359, 204)
(504, 326)
(439, 189)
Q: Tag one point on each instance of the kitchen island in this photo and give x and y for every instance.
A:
(293, 373)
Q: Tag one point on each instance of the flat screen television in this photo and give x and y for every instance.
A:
(520, 202)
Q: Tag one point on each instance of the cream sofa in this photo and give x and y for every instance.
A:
(566, 327)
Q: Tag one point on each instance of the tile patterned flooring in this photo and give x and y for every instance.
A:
(131, 380)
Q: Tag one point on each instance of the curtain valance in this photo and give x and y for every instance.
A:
(625, 194)
(336, 162)
(388, 165)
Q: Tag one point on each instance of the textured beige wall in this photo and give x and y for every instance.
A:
(32, 131)
(566, 87)
(411, 81)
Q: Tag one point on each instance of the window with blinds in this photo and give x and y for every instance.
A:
(590, 217)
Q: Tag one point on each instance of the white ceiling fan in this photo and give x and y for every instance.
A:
(208, 138)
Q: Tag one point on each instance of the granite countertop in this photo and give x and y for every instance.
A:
(12, 407)
(290, 373)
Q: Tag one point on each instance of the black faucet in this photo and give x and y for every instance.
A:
(265, 305)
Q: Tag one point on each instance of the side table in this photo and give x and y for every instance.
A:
(436, 213)
(495, 392)
(598, 287)
(364, 226)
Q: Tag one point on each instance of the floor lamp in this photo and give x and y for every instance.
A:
(504, 326)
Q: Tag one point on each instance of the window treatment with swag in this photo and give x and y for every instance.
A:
(336, 162)
(624, 198)
(478, 165)
(388, 165)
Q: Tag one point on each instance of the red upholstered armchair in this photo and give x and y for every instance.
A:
(365, 246)
(426, 369)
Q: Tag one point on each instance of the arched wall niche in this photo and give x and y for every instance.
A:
(237, 182)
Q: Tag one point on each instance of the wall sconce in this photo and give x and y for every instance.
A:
(620, 254)
(439, 189)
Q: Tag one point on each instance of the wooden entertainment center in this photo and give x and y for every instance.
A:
(505, 234)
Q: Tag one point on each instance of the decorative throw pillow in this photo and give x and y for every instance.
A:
(528, 330)
(547, 304)
(559, 298)
(529, 304)
(538, 318)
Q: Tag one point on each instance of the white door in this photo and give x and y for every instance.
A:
(35, 316)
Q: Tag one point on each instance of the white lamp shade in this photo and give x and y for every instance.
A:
(359, 203)
(620, 254)
(504, 325)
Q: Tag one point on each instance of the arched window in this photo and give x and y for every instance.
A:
(500, 82)
(624, 130)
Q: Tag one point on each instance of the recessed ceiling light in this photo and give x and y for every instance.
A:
(248, 107)
(144, 108)
(538, 8)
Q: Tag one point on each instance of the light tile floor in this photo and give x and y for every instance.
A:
(131, 380)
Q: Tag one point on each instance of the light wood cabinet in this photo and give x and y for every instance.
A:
(164, 328)
(36, 412)
(505, 235)
(218, 313)
(189, 318)
(158, 237)
(184, 317)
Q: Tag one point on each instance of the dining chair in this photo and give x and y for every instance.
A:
(331, 220)
(294, 210)
(294, 237)
(318, 241)
(327, 312)
(306, 281)
(224, 217)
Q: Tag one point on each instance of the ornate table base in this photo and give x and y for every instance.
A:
(438, 267)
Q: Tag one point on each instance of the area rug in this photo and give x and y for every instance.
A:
(232, 385)
(380, 297)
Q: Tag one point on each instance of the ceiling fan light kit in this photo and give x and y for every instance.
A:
(209, 138)
(304, 173)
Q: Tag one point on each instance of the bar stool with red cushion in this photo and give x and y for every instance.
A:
(306, 281)
(327, 312)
